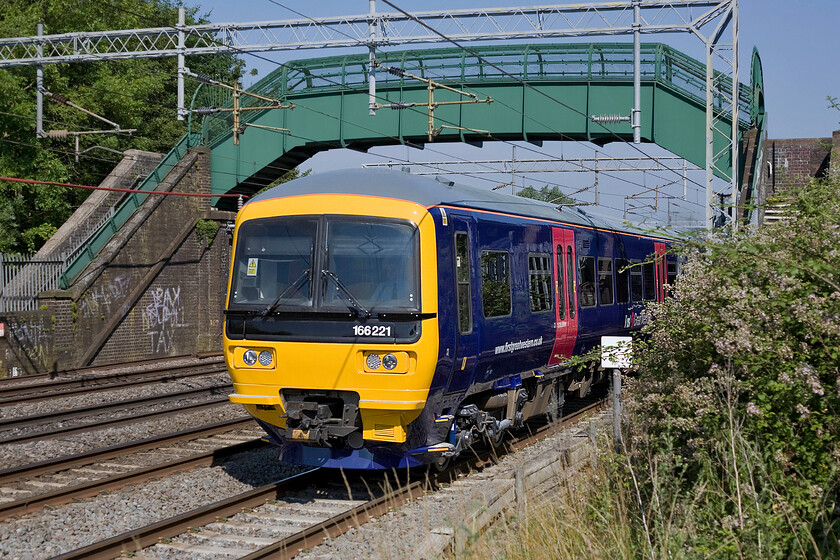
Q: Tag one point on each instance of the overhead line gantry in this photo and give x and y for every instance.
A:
(375, 30)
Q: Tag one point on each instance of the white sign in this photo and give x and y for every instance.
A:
(616, 352)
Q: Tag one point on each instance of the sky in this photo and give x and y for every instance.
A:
(797, 40)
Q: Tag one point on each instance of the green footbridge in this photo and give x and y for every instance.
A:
(541, 92)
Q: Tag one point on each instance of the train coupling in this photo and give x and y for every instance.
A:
(325, 423)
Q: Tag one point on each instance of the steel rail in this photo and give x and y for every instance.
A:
(290, 547)
(43, 391)
(340, 524)
(95, 487)
(132, 419)
(120, 366)
(47, 417)
(13, 474)
(131, 541)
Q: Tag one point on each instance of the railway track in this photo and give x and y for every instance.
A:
(278, 520)
(114, 422)
(46, 387)
(64, 415)
(29, 488)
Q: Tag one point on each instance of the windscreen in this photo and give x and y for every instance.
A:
(274, 258)
(375, 261)
(327, 263)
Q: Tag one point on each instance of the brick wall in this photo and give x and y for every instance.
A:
(795, 162)
(157, 289)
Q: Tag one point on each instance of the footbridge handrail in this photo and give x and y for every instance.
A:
(530, 63)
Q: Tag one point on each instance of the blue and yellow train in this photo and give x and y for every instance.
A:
(378, 319)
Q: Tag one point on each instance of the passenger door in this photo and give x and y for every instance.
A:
(465, 290)
(565, 295)
(661, 269)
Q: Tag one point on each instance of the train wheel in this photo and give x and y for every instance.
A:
(556, 401)
(496, 439)
(441, 463)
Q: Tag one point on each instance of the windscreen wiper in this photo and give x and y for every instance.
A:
(343, 288)
(288, 292)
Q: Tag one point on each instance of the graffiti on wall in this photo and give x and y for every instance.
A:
(35, 339)
(163, 317)
(100, 301)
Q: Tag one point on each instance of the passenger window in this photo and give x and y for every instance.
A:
(622, 279)
(649, 274)
(635, 281)
(495, 283)
(561, 291)
(539, 282)
(570, 281)
(586, 281)
(605, 281)
(672, 273)
(462, 280)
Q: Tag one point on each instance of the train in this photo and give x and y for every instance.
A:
(378, 319)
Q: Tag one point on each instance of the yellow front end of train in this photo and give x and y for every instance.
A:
(315, 325)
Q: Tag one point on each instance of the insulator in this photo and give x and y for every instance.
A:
(63, 133)
(400, 105)
(396, 71)
(59, 98)
(610, 119)
(205, 110)
(205, 78)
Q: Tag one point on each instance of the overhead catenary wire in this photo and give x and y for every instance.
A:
(523, 82)
(484, 93)
(426, 147)
(118, 189)
(242, 51)
(280, 64)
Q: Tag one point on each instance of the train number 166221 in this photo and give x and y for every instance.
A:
(372, 330)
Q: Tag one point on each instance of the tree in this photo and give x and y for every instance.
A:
(546, 194)
(289, 175)
(139, 94)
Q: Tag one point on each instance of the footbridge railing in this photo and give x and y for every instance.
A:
(85, 254)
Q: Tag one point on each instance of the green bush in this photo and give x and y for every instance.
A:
(736, 408)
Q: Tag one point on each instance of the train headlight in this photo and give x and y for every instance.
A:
(265, 358)
(372, 361)
(249, 357)
(384, 362)
(389, 361)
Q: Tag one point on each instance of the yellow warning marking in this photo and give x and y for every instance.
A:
(252, 266)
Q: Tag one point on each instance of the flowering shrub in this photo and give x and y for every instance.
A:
(735, 413)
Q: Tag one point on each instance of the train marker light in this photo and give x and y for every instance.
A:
(373, 361)
(265, 358)
(249, 357)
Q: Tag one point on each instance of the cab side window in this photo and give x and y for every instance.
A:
(462, 279)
